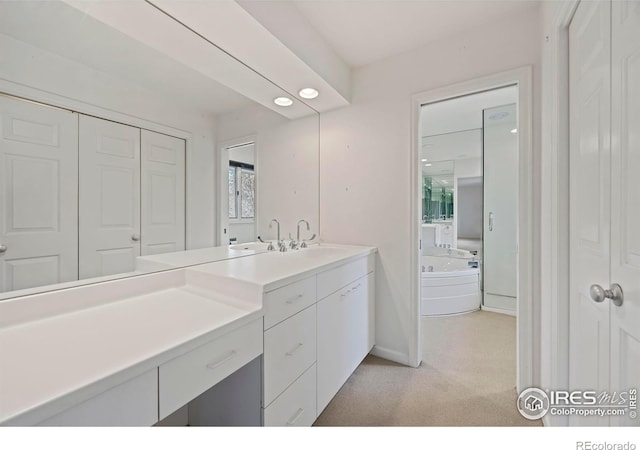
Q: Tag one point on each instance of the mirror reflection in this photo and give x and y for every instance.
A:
(116, 153)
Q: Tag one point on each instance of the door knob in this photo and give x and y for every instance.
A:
(3, 248)
(135, 237)
(598, 294)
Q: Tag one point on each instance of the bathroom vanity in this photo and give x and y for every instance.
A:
(130, 352)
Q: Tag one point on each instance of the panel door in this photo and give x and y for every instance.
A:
(109, 234)
(590, 194)
(625, 209)
(38, 195)
(163, 193)
(500, 171)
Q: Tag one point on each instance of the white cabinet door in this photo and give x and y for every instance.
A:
(109, 197)
(500, 171)
(345, 335)
(38, 195)
(625, 209)
(163, 193)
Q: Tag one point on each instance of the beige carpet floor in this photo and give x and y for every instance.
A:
(467, 378)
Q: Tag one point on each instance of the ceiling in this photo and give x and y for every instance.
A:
(462, 113)
(452, 129)
(362, 32)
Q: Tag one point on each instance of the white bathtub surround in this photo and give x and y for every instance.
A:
(450, 285)
(131, 351)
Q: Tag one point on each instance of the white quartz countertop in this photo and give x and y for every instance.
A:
(187, 258)
(86, 351)
(60, 348)
(274, 269)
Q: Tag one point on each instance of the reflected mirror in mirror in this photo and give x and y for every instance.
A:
(114, 141)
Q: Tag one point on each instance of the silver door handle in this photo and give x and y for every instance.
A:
(598, 294)
(3, 248)
(490, 221)
(135, 237)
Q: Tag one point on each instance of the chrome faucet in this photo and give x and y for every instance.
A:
(298, 226)
(281, 246)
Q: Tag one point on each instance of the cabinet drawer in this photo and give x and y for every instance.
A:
(187, 376)
(289, 349)
(288, 300)
(334, 279)
(296, 407)
(132, 403)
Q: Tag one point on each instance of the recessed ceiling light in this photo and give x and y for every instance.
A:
(283, 101)
(514, 131)
(424, 160)
(308, 93)
(428, 165)
(444, 181)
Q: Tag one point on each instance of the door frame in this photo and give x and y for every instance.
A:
(522, 77)
(554, 233)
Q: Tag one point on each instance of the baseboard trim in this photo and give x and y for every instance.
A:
(499, 310)
(391, 355)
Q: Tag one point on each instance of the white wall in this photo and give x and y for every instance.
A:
(286, 166)
(31, 72)
(365, 151)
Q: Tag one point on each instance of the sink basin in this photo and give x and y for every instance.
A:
(255, 246)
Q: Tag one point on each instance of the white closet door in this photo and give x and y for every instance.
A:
(38, 195)
(163, 193)
(590, 195)
(500, 172)
(109, 197)
(625, 207)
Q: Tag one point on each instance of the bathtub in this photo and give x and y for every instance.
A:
(449, 285)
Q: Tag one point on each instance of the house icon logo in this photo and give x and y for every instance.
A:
(533, 403)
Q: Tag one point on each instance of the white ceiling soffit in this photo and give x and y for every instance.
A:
(145, 23)
(239, 33)
(463, 113)
(285, 21)
(65, 31)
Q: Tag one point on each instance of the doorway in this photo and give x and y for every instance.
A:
(521, 80)
(237, 209)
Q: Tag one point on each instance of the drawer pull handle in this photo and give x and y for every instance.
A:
(216, 364)
(297, 347)
(295, 417)
(293, 299)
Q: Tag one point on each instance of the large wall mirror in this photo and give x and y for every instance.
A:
(119, 130)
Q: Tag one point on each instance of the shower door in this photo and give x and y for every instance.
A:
(500, 169)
